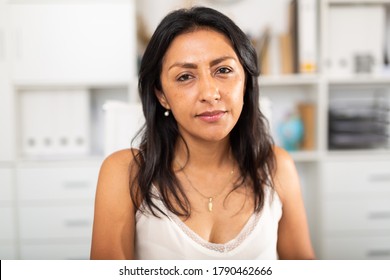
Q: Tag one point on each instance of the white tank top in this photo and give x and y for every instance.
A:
(168, 237)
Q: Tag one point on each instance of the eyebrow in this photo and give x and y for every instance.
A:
(194, 66)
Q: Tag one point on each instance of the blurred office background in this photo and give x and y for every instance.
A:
(68, 97)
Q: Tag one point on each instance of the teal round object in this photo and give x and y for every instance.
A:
(291, 133)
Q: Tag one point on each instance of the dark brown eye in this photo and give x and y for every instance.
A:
(184, 78)
(224, 70)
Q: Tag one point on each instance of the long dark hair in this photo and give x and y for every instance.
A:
(250, 141)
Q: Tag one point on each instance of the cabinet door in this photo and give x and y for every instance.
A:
(56, 251)
(53, 184)
(7, 231)
(7, 251)
(6, 184)
(71, 222)
(356, 247)
(360, 215)
(351, 177)
(73, 43)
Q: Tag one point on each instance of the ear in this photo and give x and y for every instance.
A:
(162, 99)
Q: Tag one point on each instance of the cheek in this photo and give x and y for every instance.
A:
(237, 93)
(181, 103)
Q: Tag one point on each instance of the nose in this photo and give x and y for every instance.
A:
(208, 90)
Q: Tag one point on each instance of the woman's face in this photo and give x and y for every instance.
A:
(203, 85)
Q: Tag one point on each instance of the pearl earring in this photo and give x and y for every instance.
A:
(166, 113)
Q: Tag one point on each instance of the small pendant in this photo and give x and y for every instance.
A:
(210, 204)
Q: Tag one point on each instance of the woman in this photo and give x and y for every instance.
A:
(206, 182)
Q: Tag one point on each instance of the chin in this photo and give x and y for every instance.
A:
(216, 137)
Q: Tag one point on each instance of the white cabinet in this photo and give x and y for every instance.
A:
(46, 202)
(7, 232)
(7, 214)
(56, 209)
(56, 183)
(6, 184)
(357, 247)
(73, 251)
(359, 177)
(355, 209)
(73, 43)
(354, 178)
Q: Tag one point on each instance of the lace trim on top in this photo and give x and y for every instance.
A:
(222, 248)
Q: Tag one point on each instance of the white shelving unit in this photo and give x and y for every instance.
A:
(85, 47)
(354, 185)
(346, 192)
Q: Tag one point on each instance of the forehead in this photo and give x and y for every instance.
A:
(199, 43)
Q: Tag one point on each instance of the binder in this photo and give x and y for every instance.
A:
(307, 40)
(35, 122)
(73, 133)
(54, 123)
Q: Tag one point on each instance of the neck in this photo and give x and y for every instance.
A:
(208, 157)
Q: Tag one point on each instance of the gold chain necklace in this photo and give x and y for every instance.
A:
(209, 198)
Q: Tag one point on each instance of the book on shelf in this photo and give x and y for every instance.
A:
(386, 43)
(298, 46)
(288, 42)
(263, 51)
(307, 112)
(286, 53)
(306, 36)
(293, 31)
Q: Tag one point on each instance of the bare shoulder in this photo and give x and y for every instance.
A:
(113, 228)
(286, 178)
(117, 165)
(119, 159)
(293, 233)
(115, 175)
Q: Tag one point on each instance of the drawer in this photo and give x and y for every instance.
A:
(364, 214)
(356, 248)
(7, 222)
(57, 183)
(7, 251)
(61, 251)
(6, 185)
(356, 177)
(56, 222)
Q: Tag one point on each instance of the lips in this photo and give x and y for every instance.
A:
(211, 116)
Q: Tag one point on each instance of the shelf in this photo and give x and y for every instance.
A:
(289, 80)
(360, 80)
(78, 2)
(305, 156)
(60, 161)
(361, 155)
(25, 84)
(358, 2)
